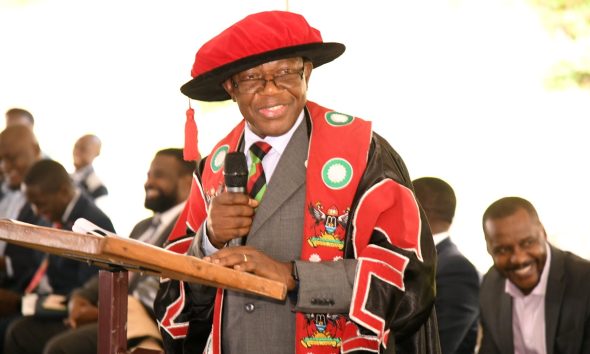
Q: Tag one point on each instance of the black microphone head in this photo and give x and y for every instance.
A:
(235, 172)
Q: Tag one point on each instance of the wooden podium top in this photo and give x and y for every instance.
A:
(133, 255)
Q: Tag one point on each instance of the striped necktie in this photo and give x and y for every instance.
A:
(41, 271)
(256, 178)
(38, 276)
(150, 232)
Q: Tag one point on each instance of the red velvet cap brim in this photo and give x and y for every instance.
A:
(208, 86)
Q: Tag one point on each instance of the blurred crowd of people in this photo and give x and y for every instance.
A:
(48, 303)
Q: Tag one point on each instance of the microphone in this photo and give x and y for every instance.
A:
(235, 172)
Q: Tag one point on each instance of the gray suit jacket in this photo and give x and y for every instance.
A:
(567, 308)
(277, 230)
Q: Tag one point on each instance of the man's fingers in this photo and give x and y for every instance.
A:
(225, 229)
(220, 223)
(230, 256)
(237, 211)
(253, 203)
(230, 216)
(231, 199)
(233, 211)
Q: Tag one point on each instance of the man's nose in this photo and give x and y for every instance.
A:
(270, 86)
(519, 256)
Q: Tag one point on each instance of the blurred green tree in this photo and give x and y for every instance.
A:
(571, 19)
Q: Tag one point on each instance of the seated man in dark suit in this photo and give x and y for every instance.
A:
(166, 189)
(536, 297)
(52, 194)
(457, 280)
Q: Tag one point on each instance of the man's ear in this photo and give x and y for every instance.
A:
(544, 233)
(229, 87)
(184, 186)
(307, 69)
(37, 151)
(489, 247)
(66, 191)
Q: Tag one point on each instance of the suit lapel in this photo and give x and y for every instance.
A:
(143, 225)
(140, 228)
(288, 177)
(165, 233)
(78, 211)
(137, 231)
(553, 296)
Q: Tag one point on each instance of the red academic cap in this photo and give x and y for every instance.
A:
(256, 39)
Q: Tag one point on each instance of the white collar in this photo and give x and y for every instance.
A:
(278, 143)
(70, 206)
(170, 215)
(83, 172)
(440, 237)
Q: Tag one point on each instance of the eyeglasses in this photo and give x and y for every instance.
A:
(283, 79)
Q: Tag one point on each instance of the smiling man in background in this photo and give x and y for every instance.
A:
(536, 297)
(166, 188)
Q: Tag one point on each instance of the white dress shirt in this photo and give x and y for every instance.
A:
(13, 200)
(440, 237)
(528, 314)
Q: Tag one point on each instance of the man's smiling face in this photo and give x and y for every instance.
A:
(517, 244)
(273, 108)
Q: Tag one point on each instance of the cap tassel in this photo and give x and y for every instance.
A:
(191, 149)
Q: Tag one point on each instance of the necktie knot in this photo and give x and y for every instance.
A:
(256, 178)
(150, 232)
(259, 149)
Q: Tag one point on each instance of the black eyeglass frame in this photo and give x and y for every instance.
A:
(262, 81)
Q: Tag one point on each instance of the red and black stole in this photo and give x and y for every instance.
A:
(337, 158)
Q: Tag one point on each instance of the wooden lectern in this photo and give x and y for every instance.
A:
(118, 255)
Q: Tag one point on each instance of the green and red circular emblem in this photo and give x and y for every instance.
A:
(337, 173)
(219, 157)
(338, 119)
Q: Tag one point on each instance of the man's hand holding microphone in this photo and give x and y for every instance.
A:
(229, 220)
(231, 212)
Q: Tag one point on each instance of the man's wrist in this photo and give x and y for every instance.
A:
(209, 234)
(207, 248)
(294, 277)
(293, 292)
(217, 245)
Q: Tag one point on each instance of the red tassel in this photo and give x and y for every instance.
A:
(191, 149)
